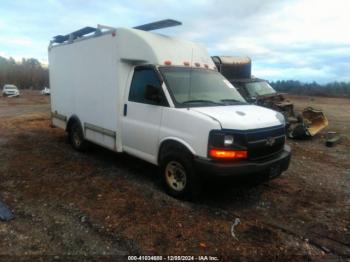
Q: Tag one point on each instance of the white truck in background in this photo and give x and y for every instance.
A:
(162, 100)
(10, 91)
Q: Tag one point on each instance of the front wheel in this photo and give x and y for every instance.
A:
(178, 176)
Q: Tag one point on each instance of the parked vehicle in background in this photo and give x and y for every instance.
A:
(258, 91)
(162, 100)
(10, 91)
(45, 91)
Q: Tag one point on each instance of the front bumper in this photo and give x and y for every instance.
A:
(280, 161)
(12, 94)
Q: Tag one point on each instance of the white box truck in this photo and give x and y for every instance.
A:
(162, 100)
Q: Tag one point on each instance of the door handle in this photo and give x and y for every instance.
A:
(125, 111)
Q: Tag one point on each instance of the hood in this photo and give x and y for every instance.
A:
(270, 97)
(242, 117)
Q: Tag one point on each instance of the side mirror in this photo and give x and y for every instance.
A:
(153, 93)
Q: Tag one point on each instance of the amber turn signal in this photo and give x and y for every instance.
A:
(227, 154)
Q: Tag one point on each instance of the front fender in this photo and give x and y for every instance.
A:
(179, 140)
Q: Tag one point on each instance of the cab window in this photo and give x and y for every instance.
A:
(144, 81)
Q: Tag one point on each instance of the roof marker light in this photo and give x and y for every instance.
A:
(167, 62)
(197, 64)
(206, 66)
(187, 63)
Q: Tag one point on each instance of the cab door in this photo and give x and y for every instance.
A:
(142, 114)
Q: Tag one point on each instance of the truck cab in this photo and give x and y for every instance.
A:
(258, 91)
(204, 126)
(163, 101)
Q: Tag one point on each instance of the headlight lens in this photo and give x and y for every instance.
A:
(281, 118)
(228, 140)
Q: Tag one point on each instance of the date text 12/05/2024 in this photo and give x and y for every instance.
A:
(173, 258)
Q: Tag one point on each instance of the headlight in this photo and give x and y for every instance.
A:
(225, 144)
(220, 139)
(281, 118)
(228, 140)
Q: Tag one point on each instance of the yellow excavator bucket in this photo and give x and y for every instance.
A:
(314, 120)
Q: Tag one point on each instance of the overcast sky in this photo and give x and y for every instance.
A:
(293, 39)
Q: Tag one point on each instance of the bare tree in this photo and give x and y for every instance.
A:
(27, 74)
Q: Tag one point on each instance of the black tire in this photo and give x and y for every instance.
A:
(76, 137)
(182, 160)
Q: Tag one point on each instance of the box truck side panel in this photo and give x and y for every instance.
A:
(62, 94)
(84, 83)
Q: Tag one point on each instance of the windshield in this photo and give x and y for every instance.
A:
(259, 89)
(199, 87)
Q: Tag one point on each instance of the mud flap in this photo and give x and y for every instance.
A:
(5, 212)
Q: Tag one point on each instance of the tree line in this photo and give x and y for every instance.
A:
(26, 74)
(30, 74)
(313, 88)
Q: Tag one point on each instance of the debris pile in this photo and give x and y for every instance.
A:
(258, 91)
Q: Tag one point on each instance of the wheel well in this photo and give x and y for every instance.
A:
(171, 145)
(73, 119)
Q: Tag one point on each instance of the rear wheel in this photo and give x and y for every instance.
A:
(178, 175)
(76, 137)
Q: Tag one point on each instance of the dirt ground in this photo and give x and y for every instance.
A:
(100, 204)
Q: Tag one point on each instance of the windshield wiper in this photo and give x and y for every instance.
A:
(233, 101)
(201, 101)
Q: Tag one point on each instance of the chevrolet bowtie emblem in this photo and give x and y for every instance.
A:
(270, 141)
